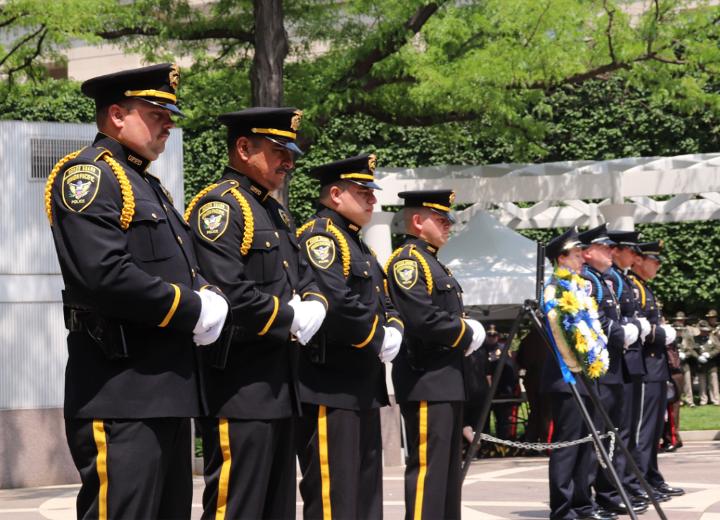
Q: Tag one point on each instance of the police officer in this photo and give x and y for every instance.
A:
(133, 305)
(654, 386)
(428, 372)
(570, 468)
(342, 376)
(246, 244)
(633, 365)
(597, 254)
(671, 430)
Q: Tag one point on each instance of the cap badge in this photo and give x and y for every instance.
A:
(174, 76)
(452, 198)
(295, 121)
(372, 162)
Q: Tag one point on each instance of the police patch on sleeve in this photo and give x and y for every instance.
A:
(406, 273)
(80, 186)
(213, 220)
(321, 251)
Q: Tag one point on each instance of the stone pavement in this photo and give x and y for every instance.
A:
(512, 488)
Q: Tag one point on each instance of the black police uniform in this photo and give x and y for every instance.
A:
(428, 372)
(342, 379)
(569, 469)
(246, 245)
(654, 388)
(130, 273)
(633, 367)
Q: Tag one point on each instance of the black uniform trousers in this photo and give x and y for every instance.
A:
(340, 455)
(569, 468)
(630, 406)
(433, 484)
(249, 469)
(611, 397)
(132, 468)
(650, 429)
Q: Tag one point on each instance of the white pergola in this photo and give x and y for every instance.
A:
(499, 198)
(622, 192)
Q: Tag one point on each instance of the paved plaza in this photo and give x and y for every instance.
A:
(511, 488)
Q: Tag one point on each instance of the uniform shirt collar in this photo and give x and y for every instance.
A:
(259, 192)
(422, 244)
(339, 221)
(121, 152)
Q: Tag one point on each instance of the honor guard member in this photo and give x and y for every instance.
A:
(570, 469)
(654, 386)
(633, 365)
(597, 254)
(342, 375)
(133, 305)
(708, 349)
(428, 372)
(246, 244)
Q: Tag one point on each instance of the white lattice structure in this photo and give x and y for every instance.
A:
(549, 195)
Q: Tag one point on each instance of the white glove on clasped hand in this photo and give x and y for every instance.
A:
(631, 334)
(681, 355)
(670, 334)
(307, 320)
(645, 328)
(212, 318)
(703, 358)
(478, 336)
(390, 345)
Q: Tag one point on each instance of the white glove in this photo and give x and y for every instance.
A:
(212, 318)
(681, 355)
(390, 345)
(703, 358)
(631, 334)
(307, 320)
(670, 334)
(645, 328)
(478, 336)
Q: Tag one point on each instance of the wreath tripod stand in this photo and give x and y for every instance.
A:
(530, 310)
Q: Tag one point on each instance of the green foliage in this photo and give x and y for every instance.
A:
(46, 101)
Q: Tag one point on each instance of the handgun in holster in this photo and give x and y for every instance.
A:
(107, 333)
(217, 352)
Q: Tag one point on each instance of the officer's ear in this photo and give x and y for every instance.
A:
(114, 117)
(243, 148)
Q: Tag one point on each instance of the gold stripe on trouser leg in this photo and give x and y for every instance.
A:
(224, 482)
(324, 465)
(101, 466)
(422, 456)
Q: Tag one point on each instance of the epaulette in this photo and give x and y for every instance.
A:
(94, 155)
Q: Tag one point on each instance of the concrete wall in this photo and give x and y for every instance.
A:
(33, 449)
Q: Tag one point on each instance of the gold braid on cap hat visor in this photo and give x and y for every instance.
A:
(151, 93)
(436, 206)
(361, 176)
(274, 131)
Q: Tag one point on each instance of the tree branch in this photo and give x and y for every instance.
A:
(537, 25)
(10, 20)
(405, 119)
(27, 62)
(388, 46)
(608, 31)
(21, 43)
(182, 33)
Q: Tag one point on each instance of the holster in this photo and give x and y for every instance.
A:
(107, 333)
(317, 348)
(217, 353)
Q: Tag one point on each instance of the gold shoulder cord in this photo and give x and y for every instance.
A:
(195, 200)
(344, 249)
(248, 220)
(51, 179)
(304, 228)
(392, 257)
(643, 298)
(426, 269)
(128, 208)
